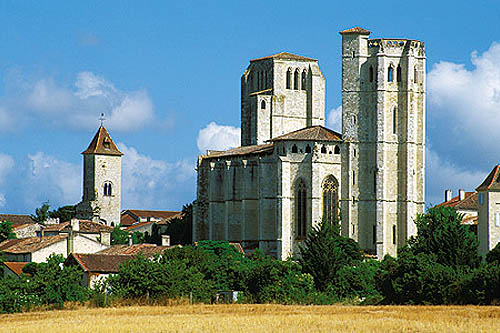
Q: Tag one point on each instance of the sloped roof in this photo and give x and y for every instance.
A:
(492, 182)
(15, 267)
(244, 150)
(90, 226)
(99, 263)
(29, 245)
(469, 202)
(313, 133)
(56, 227)
(102, 144)
(146, 250)
(356, 30)
(16, 219)
(160, 214)
(138, 224)
(285, 56)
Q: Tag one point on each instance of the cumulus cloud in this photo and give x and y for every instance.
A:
(149, 183)
(6, 165)
(78, 105)
(218, 137)
(334, 119)
(464, 109)
(443, 174)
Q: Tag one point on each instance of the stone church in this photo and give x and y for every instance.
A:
(291, 172)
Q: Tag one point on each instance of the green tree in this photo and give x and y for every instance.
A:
(493, 257)
(41, 214)
(64, 213)
(119, 236)
(325, 251)
(181, 229)
(6, 231)
(440, 232)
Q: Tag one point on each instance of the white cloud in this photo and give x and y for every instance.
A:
(6, 165)
(218, 137)
(50, 179)
(334, 119)
(442, 174)
(149, 183)
(80, 105)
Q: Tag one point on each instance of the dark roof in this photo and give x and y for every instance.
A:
(90, 226)
(146, 250)
(469, 202)
(99, 263)
(16, 219)
(127, 219)
(285, 56)
(356, 30)
(102, 144)
(492, 182)
(313, 133)
(15, 267)
(29, 245)
(244, 150)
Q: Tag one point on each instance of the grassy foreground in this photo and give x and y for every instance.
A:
(257, 318)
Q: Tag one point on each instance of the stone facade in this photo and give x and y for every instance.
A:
(488, 224)
(373, 172)
(101, 200)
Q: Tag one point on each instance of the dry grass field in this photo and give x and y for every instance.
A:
(259, 318)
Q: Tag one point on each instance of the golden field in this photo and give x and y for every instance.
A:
(259, 318)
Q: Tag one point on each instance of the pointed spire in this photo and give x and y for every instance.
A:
(102, 144)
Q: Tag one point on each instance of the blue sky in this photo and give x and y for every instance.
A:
(166, 73)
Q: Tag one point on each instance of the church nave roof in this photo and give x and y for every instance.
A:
(313, 133)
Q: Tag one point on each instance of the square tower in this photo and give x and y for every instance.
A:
(101, 200)
(383, 125)
(488, 223)
(280, 93)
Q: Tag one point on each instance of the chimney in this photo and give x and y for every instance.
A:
(447, 195)
(130, 242)
(165, 240)
(461, 194)
(75, 224)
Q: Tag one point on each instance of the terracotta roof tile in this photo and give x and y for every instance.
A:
(285, 56)
(244, 150)
(16, 219)
(102, 144)
(163, 214)
(492, 181)
(313, 133)
(29, 245)
(469, 202)
(99, 263)
(56, 227)
(126, 219)
(16, 267)
(144, 249)
(90, 226)
(356, 30)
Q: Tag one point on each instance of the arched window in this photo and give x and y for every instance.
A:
(337, 150)
(390, 74)
(308, 149)
(330, 199)
(398, 74)
(301, 208)
(263, 104)
(394, 120)
(108, 191)
(304, 79)
(294, 149)
(296, 80)
(323, 149)
(289, 78)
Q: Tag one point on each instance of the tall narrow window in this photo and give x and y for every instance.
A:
(304, 80)
(353, 177)
(296, 80)
(415, 74)
(289, 79)
(323, 149)
(108, 191)
(308, 149)
(330, 199)
(337, 150)
(398, 73)
(394, 120)
(301, 208)
(371, 73)
(294, 149)
(394, 234)
(263, 104)
(374, 234)
(390, 74)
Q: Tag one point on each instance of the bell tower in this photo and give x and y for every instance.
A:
(383, 125)
(101, 201)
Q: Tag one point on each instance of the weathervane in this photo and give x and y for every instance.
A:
(101, 118)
